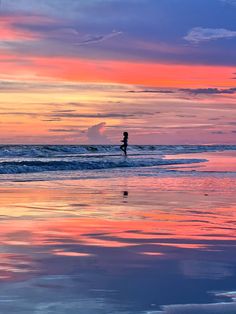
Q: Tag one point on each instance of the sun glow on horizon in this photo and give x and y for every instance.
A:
(63, 76)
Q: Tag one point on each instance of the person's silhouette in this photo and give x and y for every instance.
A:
(124, 146)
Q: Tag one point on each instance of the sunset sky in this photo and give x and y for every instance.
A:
(84, 71)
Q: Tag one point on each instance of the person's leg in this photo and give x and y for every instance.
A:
(122, 148)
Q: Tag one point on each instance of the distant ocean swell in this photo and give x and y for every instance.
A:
(46, 151)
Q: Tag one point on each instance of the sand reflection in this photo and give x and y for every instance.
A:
(99, 237)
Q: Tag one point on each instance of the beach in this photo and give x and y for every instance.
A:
(117, 157)
(151, 234)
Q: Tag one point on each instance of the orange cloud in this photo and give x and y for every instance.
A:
(149, 74)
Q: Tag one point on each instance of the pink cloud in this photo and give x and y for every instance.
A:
(11, 30)
(96, 134)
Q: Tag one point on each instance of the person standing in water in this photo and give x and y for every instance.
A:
(124, 146)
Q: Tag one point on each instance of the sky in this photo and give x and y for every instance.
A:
(84, 71)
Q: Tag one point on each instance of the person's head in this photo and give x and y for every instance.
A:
(125, 134)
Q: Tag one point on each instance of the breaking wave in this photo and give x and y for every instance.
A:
(16, 167)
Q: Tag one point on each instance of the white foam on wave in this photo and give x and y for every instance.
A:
(25, 166)
(23, 159)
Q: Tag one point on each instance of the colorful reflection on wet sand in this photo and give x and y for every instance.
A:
(119, 245)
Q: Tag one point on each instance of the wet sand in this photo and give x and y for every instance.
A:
(151, 245)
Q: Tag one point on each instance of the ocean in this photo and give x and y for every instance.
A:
(25, 159)
(85, 230)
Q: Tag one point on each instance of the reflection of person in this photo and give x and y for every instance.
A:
(125, 194)
(125, 141)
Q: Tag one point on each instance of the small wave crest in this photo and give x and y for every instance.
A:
(16, 167)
